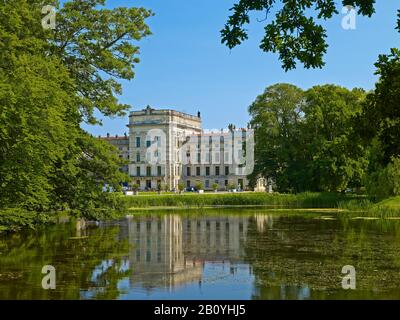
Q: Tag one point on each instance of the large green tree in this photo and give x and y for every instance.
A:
(305, 141)
(293, 27)
(337, 158)
(275, 117)
(380, 118)
(50, 82)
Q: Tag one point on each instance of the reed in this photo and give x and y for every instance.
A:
(302, 200)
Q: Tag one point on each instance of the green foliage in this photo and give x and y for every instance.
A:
(275, 115)
(295, 31)
(380, 118)
(16, 219)
(385, 182)
(338, 157)
(305, 140)
(98, 46)
(181, 186)
(199, 186)
(231, 186)
(215, 186)
(51, 81)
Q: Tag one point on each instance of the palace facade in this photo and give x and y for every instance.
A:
(166, 147)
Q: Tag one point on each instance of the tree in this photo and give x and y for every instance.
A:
(97, 45)
(305, 140)
(181, 187)
(215, 187)
(380, 118)
(336, 156)
(275, 117)
(293, 33)
(199, 186)
(51, 81)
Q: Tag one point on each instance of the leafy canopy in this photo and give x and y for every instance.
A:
(293, 29)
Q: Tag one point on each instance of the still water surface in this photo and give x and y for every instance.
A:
(249, 254)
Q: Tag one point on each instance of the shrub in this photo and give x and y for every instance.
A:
(385, 183)
(181, 186)
(199, 186)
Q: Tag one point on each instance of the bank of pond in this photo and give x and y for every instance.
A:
(14, 219)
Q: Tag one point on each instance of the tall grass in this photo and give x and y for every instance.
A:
(302, 200)
(366, 207)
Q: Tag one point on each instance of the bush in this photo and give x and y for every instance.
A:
(199, 186)
(231, 186)
(385, 183)
(181, 186)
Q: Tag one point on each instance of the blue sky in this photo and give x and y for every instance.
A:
(184, 66)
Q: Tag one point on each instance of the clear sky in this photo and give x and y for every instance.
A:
(184, 66)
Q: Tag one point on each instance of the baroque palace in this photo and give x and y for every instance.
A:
(166, 147)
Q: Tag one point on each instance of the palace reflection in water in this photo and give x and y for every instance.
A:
(208, 254)
(171, 250)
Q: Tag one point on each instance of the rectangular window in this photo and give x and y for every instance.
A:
(159, 170)
(138, 157)
(207, 171)
(138, 171)
(226, 158)
(148, 184)
(226, 170)
(188, 184)
(217, 171)
(148, 171)
(217, 157)
(148, 143)
(188, 173)
(137, 142)
(138, 182)
(197, 171)
(198, 157)
(207, 184)
(226, 183)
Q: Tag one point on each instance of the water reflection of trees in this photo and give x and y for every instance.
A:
(291, 256)
(78, 256)
(302, 258)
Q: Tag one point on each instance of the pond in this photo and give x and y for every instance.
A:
(209, 254)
